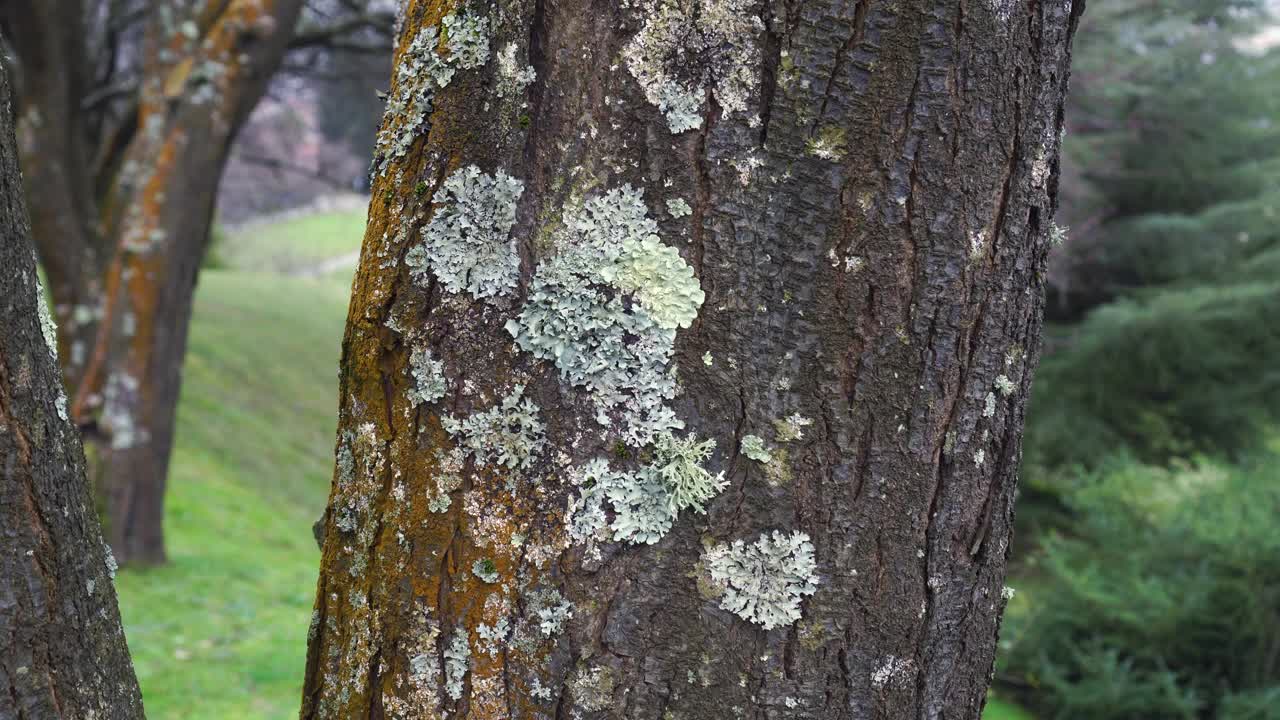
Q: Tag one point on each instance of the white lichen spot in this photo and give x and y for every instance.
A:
(689, 48)
(828, 144)
(538, 690)
(552, 615)
(512, 78)
(753, 447)
(1004, 385)
(592, 689)
(112, 565)
(1057, 234)
(977, 244)
(1007, 593)
(980, 457)
(764, 582)
(678, 208)
(989, 408)
(892, 670)
(49, 330)
(467, 244)
(707, 359)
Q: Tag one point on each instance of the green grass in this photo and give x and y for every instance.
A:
(220, 632)
(294, 244)
(1000, 710)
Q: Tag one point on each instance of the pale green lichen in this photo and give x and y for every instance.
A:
(606, 250)
(49, 330)
(467, 245)
(1004, 385)
(678, 208)
(428, 376)
(485, 570)
(764, 582)
(448, 477)
(790, 429)
(551, 619)
(468, 39)
(660, 280)
(457, 660)
(1057, 234)
(645, 501)
(642, 507)
(420, 71)
(509, 434)
(753, 447)
(592, 688)
(492, 637)
(678, 461)
(828, 144)
(689, 48)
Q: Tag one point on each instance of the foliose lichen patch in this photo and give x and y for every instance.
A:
(467, 245)
(764, 582)
(606, 251)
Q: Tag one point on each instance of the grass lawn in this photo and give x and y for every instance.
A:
(292, 244)
(221, 631)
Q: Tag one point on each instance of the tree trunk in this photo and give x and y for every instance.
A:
(127, 316)
(830, 220)
(62, 649)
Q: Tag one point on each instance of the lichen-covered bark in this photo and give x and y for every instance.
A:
(864, 190)
(62, 649)
(124, 280)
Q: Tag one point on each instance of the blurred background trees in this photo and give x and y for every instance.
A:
(1147, 522)
(126, 112)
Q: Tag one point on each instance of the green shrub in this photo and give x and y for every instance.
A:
(1158, 605)
(1160, 377)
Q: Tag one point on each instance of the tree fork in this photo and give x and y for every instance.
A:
(830, 219)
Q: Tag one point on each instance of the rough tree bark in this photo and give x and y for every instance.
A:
(122, 226)
(62, 649)
(864, 191)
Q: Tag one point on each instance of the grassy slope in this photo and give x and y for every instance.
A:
(220, 632)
